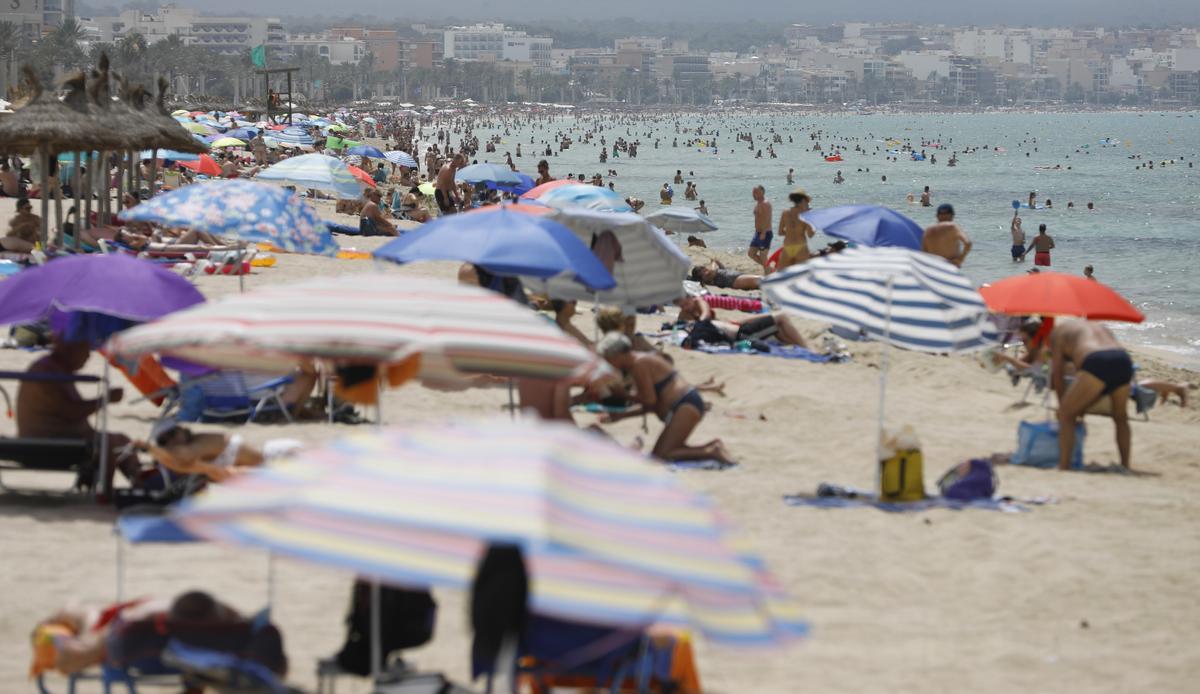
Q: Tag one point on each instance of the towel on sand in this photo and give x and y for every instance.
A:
(863, 499)
(712, 465)
(774, 350)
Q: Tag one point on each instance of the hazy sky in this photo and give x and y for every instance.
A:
(1011, 12)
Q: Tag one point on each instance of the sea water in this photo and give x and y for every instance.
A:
(1143, 238)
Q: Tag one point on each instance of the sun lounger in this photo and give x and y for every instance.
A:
(224, 396)
(57, 455)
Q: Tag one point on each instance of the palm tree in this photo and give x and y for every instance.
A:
(10, 41)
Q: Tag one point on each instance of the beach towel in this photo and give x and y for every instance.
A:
(709, 465)
(775, 350)
(733, 303)
(848, 497)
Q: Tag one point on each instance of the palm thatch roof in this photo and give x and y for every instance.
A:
(47, 122)
(132, 130)
(173, 135)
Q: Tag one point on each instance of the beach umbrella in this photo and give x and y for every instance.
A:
(364, 319)
(904, 298)
(246, 134)
(293, 136)
(227, 142)
(400, 159)
(609, 536)
(427, 188)
(366, 151)
(251, 211)
(1058, 294)
(180, 113)
(362, 176)
(525, 184)
(204, 165)
(169, 154)
(315, 171)
(199, 128)
(506, 243)
(681, 220)
(650, 270)
(586, 196)
(867, 225)
(537, 191)
(338, 128)
(484, 173)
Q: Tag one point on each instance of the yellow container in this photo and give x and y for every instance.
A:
(902, 476)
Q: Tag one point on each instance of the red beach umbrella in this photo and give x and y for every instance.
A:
(1059, 294)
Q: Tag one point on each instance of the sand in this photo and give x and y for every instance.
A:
(1094, 593)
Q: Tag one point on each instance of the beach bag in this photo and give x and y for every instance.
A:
(1037, 445)
(974, 479)
(704, 332)
(406, 617)
(901, 470)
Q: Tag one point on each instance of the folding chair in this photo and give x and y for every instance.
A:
(223, 396)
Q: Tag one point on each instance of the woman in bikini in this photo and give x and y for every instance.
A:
(795, 231)
(216, 456)
(661, 390)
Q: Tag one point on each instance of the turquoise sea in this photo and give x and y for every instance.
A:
(1143, 237)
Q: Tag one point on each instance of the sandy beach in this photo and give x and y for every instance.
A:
(1094, 593)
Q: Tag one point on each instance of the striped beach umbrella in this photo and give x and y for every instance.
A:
(585, 196)
(902, 297)
(365, 319)
(681, 220)
(400, 159)
(609, 536)
(315, 171)
(293, 136)
(650, 269)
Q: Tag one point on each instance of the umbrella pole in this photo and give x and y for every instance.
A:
(376, 634)
(883, 369)
(378, 401)
(58, 217)
(101, 485)
(240, 274)
(86, 222)
(45, 192)
(512, 407)
(153, 170)
(270, 581)
(77, 189)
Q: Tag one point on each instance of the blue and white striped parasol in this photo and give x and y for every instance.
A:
(315, 171)
(400, 159)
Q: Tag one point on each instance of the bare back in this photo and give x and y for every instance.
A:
(1075, 339)
(762, 216)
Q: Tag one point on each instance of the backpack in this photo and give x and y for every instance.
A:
(407, 618)
(974, 479)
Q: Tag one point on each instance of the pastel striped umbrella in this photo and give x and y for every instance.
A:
(902, 297)
(586, 196)
(294, 136)
(650, 270)
(365, 319)
(609, 536)
(400, 159)
(315, 171)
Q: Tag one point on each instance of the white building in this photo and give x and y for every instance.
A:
(994, 45)
(1186, 59)
(494, 42)
(339, 50)
(35, 18)
(922, 65)
(223, 34)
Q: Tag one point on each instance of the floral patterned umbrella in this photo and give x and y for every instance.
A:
(248, 210)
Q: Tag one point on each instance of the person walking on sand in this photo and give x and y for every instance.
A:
(1043, 243)
(795, 231)
(760, 243)
(1102, 369)
(1018, 238)
(446, 191)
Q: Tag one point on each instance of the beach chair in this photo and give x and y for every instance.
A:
(227, 396)
(52, 455)
(557, 654)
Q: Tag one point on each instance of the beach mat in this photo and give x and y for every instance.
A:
(865, 499)
(781, 351)
(709, 465)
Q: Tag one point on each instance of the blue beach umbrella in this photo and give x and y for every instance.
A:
(503, 242)
(243, 133)
(315, 171)
(867, 225)
(169, 155)
(681, 220)
(586, 196)
(366, 151)
(527, 184)
(248, 210)
(484, 173)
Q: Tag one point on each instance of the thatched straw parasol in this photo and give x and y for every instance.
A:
(174, 135)
(49, 124)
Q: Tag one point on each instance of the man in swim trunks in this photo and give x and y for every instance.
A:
(1103, 369)
(1043, 243)
(760, 244)
(1018, 238)
(725, 278)
(446, 190)
(795, 231)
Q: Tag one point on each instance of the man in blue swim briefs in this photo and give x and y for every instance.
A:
(1018, 238)
(760, 243)
(1102, 369)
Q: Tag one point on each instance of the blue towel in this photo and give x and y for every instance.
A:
(1006, 504)
(712, 465)
(776, 350)
(342, 229)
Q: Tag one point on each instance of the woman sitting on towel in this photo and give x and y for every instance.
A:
(660, 389)
(215, 456)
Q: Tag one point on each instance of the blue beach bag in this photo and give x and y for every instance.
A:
(1037, 445)
(972, 480)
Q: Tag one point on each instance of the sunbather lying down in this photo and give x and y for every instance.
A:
(216, 456)
(74, 639)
